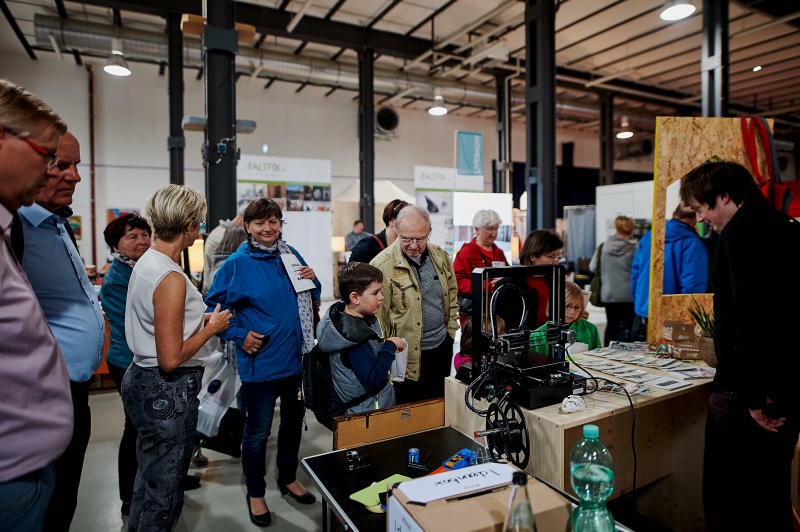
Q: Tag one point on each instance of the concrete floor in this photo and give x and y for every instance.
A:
(219, 504)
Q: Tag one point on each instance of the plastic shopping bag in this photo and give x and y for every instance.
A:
(219, 391)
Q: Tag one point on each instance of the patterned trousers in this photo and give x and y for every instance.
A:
(163, 406)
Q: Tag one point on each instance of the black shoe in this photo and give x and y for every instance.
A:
(190, 482)
(306, 498)
(258, 520)
(126, 509)
(198, 458)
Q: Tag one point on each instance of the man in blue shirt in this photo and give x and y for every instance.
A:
(57, 274)
(685, 266)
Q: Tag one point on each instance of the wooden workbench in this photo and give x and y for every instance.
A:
(669, 444)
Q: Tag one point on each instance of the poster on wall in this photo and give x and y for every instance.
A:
(466, 204)
(76, 224)
(469, 153)
(434, 191)
(302, 189)
(435, 187)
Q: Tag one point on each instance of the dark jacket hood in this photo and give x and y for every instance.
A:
(338, 330)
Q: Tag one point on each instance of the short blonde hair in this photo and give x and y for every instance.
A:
(624, 225)
(573, 292)
(24, 113)
(172, 208)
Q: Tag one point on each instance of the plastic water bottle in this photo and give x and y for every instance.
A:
(592, 475)
(519, 517)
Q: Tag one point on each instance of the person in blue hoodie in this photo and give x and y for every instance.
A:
(273, 325)
(350, 332)
(685, 266)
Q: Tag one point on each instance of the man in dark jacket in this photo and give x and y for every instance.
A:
(753, 417)
(685, 266)
(366, 249)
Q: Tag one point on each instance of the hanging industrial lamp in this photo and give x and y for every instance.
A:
(438, 108)
(677, 10)
(116, 65)
(625, 131)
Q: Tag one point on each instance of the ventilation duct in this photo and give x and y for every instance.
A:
(146, 46)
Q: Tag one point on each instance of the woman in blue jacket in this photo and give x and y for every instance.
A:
(273, 326)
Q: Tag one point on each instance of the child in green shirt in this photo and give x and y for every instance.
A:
(573, 312)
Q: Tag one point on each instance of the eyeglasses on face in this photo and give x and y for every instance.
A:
(553, 256)
(51, 156)
(418, 241)
(574, 308)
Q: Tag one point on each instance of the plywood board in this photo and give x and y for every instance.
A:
(683, 143)
(359, 429)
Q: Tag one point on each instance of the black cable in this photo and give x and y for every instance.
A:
(633, 418)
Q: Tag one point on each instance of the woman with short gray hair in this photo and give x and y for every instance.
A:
(480, 252)
(166, 327)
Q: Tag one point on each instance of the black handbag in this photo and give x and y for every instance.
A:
(229, 439)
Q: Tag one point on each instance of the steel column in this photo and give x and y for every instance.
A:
(715, 62)
(366, 136)
(176, 141)
(606, 138)
(220, 44)
(502, 177)
(540, 113)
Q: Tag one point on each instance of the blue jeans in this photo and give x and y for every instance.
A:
(259, 400)
(23, 500)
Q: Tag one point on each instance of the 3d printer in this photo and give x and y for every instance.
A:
(523, 363)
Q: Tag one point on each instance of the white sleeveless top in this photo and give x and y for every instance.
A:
(148, 273)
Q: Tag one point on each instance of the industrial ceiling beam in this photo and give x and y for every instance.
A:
(274, 22)
(62, 11)
(14, 26)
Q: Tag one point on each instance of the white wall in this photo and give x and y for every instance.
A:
(131, 127)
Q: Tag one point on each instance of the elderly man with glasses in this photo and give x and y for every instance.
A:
(53, 264)
(35, 404)
(419, 304)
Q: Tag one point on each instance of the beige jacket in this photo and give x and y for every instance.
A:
(401, 311)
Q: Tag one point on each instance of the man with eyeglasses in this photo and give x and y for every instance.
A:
(419, 304)
(35, 408)
(57, 274)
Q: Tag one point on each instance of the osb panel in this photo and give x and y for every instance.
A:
(683, 143)
(360, 429)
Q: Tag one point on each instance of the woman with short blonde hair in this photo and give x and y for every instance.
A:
(166, 327)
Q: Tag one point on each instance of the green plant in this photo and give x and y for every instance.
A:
(704, 320)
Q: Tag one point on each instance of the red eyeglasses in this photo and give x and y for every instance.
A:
(50, 155)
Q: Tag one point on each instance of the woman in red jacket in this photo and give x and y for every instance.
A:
(480, 252)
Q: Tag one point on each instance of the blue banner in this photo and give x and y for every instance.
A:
(469, 153)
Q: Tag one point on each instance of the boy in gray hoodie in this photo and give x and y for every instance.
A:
(349, 331)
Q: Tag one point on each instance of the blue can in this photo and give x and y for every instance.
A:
(413, 455)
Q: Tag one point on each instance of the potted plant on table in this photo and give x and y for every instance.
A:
(704, 330)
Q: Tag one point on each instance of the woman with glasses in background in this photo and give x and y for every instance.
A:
(541, 248)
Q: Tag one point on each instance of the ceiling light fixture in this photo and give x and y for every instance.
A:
(116, 65)
(438, 108)
(625, 132)
(677, 10)
(756, 68)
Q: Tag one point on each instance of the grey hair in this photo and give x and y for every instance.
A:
(484, 218)
(412, 209)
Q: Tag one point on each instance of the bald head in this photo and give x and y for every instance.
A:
(62, 178)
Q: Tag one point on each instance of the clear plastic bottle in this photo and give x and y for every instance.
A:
(592, 475)
(519, 516)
